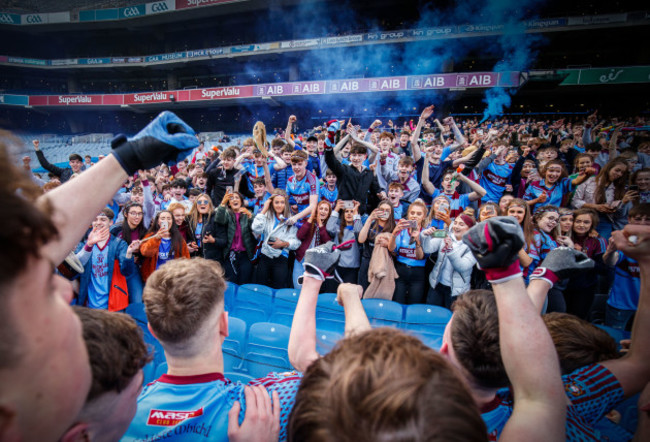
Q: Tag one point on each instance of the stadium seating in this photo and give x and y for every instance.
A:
(426, 319)
(260, 320)
(382, 312)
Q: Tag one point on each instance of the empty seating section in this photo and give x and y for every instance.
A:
(259, 324)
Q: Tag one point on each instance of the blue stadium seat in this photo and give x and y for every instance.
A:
(149, 373)
(232, 362)
(331, 325)
(269, 337)
(249, 314)
(382, 312)
(286, 300)
(262, 289)
(615, 333)
(326, 340)
(235, 343)
(230, 295)
(136, 311)
(328, 308)
(432, 341)
(250, 295)
(161, 369)
(258, 365)
(284, 318)
(430, 319)
(154, 348)
(237, 377)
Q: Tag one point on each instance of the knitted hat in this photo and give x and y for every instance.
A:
(467, 220)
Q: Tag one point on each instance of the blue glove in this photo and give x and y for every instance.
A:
(167, 139)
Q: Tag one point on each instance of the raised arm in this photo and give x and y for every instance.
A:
(267, 178)
(356, 320)
(527, 350)
(319, 263)
(426, 113)
(478, 191)
(56, 170)
(287, 132)
(427, 185)
(633, 370)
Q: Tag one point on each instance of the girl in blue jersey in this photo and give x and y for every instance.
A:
(410, 287)
(198, 219)
(278, 238)
(555, 186)
(546, 237)
(439, 214)
(381, 220)
(451, 275)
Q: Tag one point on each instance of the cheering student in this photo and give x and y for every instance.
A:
(380, 220)
(410, 287)
(239, 248)
(344, 226)
(278, 238)
(198, 220)
(165, 243)
(312, 233)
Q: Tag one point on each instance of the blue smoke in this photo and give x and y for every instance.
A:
(514, 49)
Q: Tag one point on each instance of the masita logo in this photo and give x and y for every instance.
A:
(7, 19)
(168, 418)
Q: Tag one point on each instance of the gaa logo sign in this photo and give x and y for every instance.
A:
(7, 19)
(159, 7)
(131, 12)
(34, 19)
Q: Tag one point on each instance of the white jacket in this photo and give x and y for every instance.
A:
(263, 226)
(460, 257)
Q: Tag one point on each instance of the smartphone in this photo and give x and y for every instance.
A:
(383, 214)
(440, 234)
(272, 239)
(633, 188)
(479, 131)
(228, 189)
(164, 225)
(413, 224)
(348, 204)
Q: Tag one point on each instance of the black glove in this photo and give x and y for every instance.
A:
(166, 139)
(321, 261)
(495, 244)
(561, 263)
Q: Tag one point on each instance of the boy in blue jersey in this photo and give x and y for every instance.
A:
(495, 174)
(302, 188)
(624, 294)
(403, 175)
(450, 181)
(184, 302)
(98, 256)
(253, 165)
(328, 190)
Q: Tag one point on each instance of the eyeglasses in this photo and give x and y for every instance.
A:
(135, 213)
(203, 202)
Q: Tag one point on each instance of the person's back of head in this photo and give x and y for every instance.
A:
(474, 332)
(577, 342)
(117, 354)
(383, 385)
(180, 301)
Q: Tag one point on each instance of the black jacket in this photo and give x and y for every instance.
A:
(352, 183)
(218, 180)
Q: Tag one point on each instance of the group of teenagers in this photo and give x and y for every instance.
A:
(504, 371)
(398, 206)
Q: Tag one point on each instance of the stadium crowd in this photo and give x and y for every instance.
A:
(498, 221)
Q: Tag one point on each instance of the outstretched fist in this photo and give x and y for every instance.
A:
(495, 242)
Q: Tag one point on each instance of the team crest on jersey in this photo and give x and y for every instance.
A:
(574, 389)
(168, 418)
